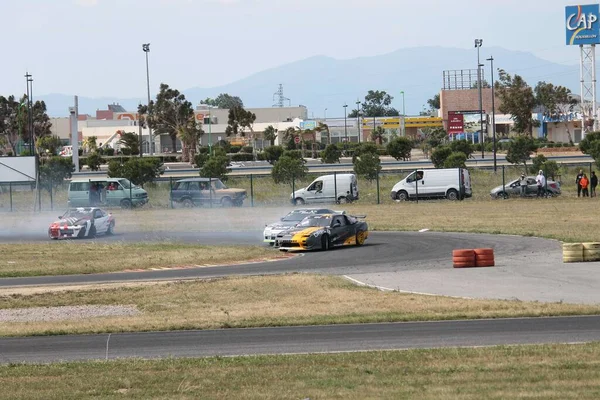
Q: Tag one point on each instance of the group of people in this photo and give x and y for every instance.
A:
(586, 187)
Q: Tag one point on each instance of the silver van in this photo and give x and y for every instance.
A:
(116, 192)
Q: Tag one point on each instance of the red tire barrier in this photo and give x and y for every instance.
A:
(463, 258)
(484, 257)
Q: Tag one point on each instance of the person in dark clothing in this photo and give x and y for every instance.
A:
(593, 184)
(577, 180)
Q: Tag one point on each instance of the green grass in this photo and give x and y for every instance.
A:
(535, 372)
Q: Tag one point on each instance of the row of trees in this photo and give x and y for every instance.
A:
(14, 126)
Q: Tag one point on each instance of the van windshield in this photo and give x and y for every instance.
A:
(126, 184)
(217, 184)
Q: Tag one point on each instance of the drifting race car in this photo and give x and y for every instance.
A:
(322, 232)
(82, 222)
(290, 220)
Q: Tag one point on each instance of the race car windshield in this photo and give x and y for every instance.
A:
(315, 221)
(76, 214)
(125, 183)
(295, 216)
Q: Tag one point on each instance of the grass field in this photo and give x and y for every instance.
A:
(66, 258)
(533, 372)
(261, 301)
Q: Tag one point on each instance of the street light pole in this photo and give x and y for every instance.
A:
(209, 131)
(478, 43)
(491, 60)
(403, 114)
(325, 112)
(345, 125)
(146, 48)
(29, 82)
(358, 118)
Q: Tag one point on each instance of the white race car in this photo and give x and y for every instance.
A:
(82, 222)
(290, 220)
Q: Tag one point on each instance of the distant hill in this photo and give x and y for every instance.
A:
(322, 82)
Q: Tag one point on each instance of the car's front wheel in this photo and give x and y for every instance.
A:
(226, 202)
(299, 202)
(325, 243)
(92, 233)
(402, 196)
(111, 229)
(126, 204)
(187, 203)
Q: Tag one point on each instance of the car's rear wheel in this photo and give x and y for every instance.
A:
(361, 236)
(452, 195)
(343, 200)
(187, 203)
(325, 243)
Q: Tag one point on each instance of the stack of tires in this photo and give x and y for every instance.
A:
(471, 258)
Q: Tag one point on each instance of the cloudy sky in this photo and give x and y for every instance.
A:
(93, 47)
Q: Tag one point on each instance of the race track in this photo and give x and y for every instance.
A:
(384, 252)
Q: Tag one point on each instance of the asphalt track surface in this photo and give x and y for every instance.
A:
(384, 252)
(303, 339)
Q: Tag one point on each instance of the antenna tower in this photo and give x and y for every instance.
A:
(280, 97)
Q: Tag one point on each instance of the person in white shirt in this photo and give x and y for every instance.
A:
(541, 183)
(523, 184)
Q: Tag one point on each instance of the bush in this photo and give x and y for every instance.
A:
(540, 162)
(108, 151)
(215, 167)
(94, 160)
(200, 159)
(457, 159)
(400, 148)
(439, 156)
(242, 157)
(465, 147)
(261, 156)
(234, 149)
(288, 168)
(137, 169)
(551, 145)
(54, 171)
(204, 150)
(248, 149)
(273, 153)
(331, 154)
(367, 165)
(296, 154)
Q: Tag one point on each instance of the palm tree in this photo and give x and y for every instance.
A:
(90, 144)
(270, 134)
(377, 135)
(322, 127)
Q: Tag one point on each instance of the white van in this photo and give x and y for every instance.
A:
(335, 188)
(449, 183)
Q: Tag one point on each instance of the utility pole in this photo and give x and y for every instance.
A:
(403, 115)
(146, 48)
(491, 60)
(345, 125)
(478, 43)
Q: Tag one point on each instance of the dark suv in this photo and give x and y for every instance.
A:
(206, 191)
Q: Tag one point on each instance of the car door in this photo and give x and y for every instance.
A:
(314, 193)
(339, 230)
(531, 186)
(100, 221)
(414, 179)
(193, 192)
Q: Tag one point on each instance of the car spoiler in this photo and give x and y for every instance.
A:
(360, 216)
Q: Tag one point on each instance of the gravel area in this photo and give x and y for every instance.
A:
(39, 314)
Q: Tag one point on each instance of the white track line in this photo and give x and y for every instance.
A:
(385, 289)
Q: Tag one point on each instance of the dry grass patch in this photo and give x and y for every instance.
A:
(548, 372)
(66, 258)
(264, 301)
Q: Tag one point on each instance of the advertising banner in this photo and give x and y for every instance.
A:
(456, 123)
(582, 25)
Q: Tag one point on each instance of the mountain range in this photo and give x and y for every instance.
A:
(322, 82)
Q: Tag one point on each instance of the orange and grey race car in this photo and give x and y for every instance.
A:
(322, 232)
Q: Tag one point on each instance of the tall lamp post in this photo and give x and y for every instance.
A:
(146, 48)
(358, 118)
(491, 60)
(29, 82)
(403, 114)
(325, 114)
(345, 125)
(478, 43)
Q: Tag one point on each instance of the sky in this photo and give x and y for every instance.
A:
(94, 47)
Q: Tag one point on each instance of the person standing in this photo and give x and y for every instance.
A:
(577, 182)
(540, 179)
(593, 184)
(523, 185)
(584, 183)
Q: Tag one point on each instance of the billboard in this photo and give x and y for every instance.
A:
(17, 169)
(456, 123)
(582, 25)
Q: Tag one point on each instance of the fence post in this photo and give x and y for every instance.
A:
(251, 190)
(378, 202)
(503, 182)
(293, 190)
(130, 189)
(545, 181)
(416, 186)
(335, 195)
(171, 191)
(10, 193)
(39, 190)
(51, 196)
(210, 191)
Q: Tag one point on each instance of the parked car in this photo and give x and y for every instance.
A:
(450, 183)
(513, 189)
(206, 191)
(105, 192)
(334, 188)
